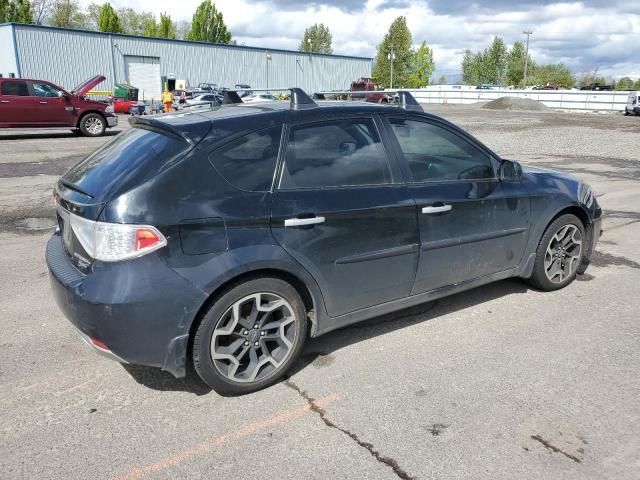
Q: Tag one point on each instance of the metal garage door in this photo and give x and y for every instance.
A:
(144, 74)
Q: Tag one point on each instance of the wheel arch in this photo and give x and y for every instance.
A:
(311, 304)
(86, 112)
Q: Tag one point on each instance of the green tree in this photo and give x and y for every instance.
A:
(108, 21)
(589, 78)
(495, 62)
(515, 65)
(470, 68)
(67, 14)
(133, 22)
(317, 39)
(442, 80)
(625, 83)
(166, 28)
(421, 67)
(18, 11)
(552, 74)
(636, 86)
(208, 25)
(150, 28)
(397, 41)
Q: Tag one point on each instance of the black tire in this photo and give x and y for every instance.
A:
(92, 125)
(539, 278)
(76, 131)
(218, 314)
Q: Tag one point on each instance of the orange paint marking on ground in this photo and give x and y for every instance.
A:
(205, 447)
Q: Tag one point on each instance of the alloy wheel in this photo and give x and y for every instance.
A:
(93, 125)
(563, 253)
(254, 337)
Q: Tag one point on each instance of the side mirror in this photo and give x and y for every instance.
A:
(510, 171)
(64, 94)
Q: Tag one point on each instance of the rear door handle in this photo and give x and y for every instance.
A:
(44, 103)
(436, 209)
(300, 222)
(4, 101)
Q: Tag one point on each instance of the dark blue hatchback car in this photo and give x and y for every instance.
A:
(228, 235)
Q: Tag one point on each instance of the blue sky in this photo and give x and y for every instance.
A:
(584, 35)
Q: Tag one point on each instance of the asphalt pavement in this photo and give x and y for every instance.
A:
(500, 382)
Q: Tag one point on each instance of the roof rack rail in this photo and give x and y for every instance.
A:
(299, 99)
(406, 101)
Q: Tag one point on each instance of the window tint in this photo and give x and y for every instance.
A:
(434, 153)
(44, 90)
(15, 88)
(333, 154)
(249, 162)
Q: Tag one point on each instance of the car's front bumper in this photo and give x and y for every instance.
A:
(112, 121)
(595, 233)
(139, 310)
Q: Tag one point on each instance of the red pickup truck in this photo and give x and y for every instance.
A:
(26, 103)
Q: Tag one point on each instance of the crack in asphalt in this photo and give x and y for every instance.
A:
(390, 462)
(555, 449)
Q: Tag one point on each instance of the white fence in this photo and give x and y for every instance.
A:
(561, 99)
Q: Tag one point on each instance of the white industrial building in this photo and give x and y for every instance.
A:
(68, 57)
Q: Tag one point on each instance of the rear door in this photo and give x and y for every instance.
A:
(471, 223)
(340, 210)
(17, 108)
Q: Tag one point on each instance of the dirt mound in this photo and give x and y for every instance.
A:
(515, 103)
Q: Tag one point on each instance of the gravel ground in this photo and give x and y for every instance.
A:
(500, 382)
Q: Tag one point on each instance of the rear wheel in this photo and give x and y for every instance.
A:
(92, 125)
(250, 336)
(559, 253)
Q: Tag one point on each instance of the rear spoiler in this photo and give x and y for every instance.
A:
(159, 127)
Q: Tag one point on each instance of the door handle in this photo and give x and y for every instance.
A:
(436, 209)
(44, 103)
(301, 222)
(4, 101)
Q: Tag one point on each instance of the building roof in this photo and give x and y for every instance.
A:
(161, 39)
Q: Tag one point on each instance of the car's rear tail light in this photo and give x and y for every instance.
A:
(99, 344)
(112, 242)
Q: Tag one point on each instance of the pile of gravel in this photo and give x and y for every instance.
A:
(515, 103)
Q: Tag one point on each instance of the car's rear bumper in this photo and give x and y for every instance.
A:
(112, 121)
(140, 311)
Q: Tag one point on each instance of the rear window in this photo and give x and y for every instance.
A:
(18, 89)
(249, 162)
(131, 158)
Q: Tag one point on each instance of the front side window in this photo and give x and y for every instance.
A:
(337, 153)
(17, 89)
(436, 154)
(44, 90)
(249, 162)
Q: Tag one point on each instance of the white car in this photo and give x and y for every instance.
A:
(633, 104)
(259, 98)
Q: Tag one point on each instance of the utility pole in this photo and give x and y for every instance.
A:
(528, 33)
(391, 56)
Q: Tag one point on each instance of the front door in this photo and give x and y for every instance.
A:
(342, 213)
(53, 108)
(471, 223)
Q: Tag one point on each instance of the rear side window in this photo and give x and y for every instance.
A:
(434, 153)
(18, 89)
(345, 152)
(128, 160)
(249, 162)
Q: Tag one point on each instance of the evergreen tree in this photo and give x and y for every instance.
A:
(515, 65)
(108, 21)
(18, 11)
(317, 39)
(208, 25)
(166, 29)
(396, 41)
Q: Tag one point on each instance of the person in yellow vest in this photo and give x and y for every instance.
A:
(167, 99)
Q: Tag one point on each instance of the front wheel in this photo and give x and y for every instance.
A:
(250, 336)
(559, 254)
(92, 125)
